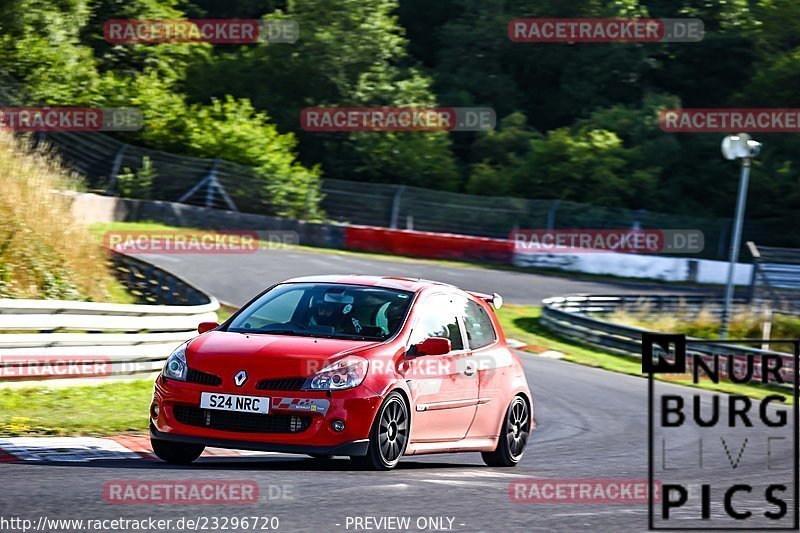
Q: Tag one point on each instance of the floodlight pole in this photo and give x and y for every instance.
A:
(736, 242)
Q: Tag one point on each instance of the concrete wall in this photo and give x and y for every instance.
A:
(93, 208)
(638, 266)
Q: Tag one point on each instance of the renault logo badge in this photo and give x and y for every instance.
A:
(240, 378)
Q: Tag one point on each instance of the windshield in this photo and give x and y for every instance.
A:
(325, 310)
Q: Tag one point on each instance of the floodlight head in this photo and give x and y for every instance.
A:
(740, 146)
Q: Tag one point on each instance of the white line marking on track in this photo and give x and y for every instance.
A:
(247, 453)
(463, 483)
(551, 354)
(371, 488)
(595, 513)
(477, 473)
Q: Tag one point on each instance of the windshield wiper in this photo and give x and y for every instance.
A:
(339, 336)
(269, 331)
(349, 336)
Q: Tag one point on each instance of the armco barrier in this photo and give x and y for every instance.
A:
(43, 339)
(576, 317)
(427, 245)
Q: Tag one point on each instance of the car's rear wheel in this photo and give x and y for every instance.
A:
(513, 437)
(176, 453)
(388, 437)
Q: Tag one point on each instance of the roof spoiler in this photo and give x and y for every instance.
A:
(495, 300)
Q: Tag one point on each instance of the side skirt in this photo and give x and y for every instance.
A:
(471, 444)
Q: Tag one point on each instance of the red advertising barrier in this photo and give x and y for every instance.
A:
(428, 245)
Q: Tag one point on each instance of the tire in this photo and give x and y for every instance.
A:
(388, 437)
(176, 453)
(513, 437)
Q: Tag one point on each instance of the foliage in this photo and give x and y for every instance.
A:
(137, 184)
(744, 323)
(36, 220)
(55, 50)
(579, 121)
(105, 409)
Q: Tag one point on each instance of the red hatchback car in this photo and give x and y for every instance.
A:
(368, 367)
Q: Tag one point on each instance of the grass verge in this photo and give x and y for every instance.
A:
(90, 410)
(523, 323)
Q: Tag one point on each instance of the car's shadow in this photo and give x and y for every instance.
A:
(294, 464)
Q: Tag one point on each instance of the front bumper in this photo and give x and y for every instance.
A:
(356, 407)
(355, 447)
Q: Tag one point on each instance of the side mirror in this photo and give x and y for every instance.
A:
(432, 346)
(206, 326)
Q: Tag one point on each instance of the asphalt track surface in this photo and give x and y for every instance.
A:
(592, 424)
(234, 279)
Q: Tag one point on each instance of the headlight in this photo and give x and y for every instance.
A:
(175, 367)
(343, 374)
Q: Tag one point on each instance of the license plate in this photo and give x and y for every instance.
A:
(234, 402)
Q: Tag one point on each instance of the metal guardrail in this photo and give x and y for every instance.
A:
(43, 339)
(572, 317)
(153, 285)
(776, 277)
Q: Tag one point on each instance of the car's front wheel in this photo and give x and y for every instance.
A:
(388, 437)
(176, 453)
(513, 437)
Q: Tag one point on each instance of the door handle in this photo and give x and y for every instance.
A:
(470, 369)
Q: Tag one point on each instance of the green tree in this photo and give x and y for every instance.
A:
(232, 129)
(354, 56)
(589, 166)
(40, 44)
(139, 183)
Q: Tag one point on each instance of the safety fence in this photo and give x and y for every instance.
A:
(580, 318)
(52, 339)
(776, 277)
(416, 208)
(199, 181)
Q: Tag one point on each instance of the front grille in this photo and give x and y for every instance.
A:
(281, 384)
(242, 422)
(203, 378)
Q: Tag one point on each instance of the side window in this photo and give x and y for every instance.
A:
(480, 331)
(438, 319)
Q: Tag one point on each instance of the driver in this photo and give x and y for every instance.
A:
(325, 313)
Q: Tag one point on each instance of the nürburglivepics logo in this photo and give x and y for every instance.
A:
(725, 461)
